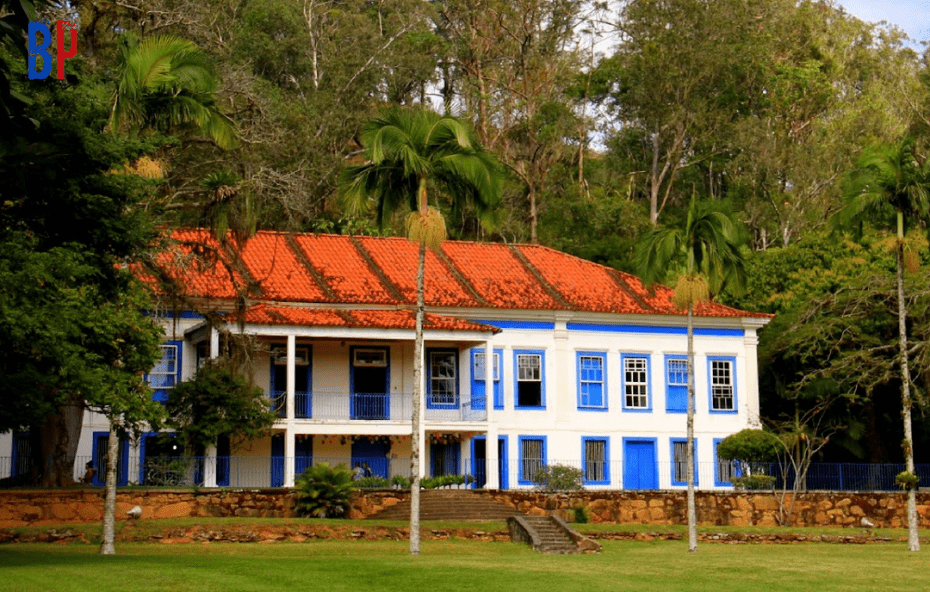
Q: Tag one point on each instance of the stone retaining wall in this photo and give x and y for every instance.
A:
(69, 506)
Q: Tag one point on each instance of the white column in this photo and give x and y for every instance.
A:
(210, 460)
(289, 448)
(560, 389)
(214, 343)
(490, 444)
(209, 467)
(750, 395)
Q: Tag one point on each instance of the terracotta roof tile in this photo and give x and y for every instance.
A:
(367, 270)
(343, 269)
(263, 314)
(498, 276)
(271, 262)
(397, 258)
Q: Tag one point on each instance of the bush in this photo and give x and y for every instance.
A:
(558, 478)
(372, 483)
(580, 515)
(754, 482)
(400, 481)
(323, 491)
(441, 481)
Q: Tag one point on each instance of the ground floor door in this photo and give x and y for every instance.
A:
(277, 460)
(100, 462)
(372, 456)
(639, 465)
(479, 461)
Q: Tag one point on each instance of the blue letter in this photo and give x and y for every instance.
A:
(35, 51)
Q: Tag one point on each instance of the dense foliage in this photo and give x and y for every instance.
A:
(324, 491)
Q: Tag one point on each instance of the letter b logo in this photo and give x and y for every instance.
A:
(36, 50)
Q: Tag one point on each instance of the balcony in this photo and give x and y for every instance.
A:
(393, 407)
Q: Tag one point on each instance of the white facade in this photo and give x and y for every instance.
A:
(599, 391)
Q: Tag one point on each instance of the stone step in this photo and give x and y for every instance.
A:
(449, 504)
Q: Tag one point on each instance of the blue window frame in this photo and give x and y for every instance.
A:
(167, 371)
(721, 378)
(442, 382)
(676, 384)
(679, 461)
(595, 454)
(635, 384)
(592, 381)
(724, 470)
(532, 450)
(479, 384)
(529, 379)
(101, 441)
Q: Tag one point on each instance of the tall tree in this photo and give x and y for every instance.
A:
(892, 185)
(167, 83)
(708, 248)
(407, 152)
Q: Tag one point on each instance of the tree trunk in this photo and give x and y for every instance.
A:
(692, 512)
(913, 539)
(57, 444)
(109, 506)
(417, 388)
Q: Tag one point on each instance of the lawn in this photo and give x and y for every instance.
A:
(459, 565)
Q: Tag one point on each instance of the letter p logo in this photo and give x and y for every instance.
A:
(36, 50)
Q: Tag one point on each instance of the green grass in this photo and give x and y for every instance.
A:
(339, 565)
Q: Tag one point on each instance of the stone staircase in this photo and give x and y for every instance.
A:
(450, 504)
(550, 535)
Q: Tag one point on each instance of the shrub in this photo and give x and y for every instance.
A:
(558, 478)
(906, 480)
(580, 514)
(372, 483)
(754, 482)
(400, 481)
(323, 491)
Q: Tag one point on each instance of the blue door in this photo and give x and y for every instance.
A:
(370, 383)
(277, 460)
(303, 455)
(479, 461)
(639, 465)
(372, 455)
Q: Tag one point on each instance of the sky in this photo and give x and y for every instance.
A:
(911, 15)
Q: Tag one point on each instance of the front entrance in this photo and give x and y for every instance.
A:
(479, 457)
(369, 383)
(372, 456)
(639, 464)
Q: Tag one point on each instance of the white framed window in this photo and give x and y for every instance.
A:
(635, 382)
(443, 379)
(481, 366)
(529, 378)
(372, 358)
(722, 385)
(592, 391)
(677, 372)
(165, 373)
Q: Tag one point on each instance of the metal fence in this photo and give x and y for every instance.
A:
(343, 406)
(265, 471)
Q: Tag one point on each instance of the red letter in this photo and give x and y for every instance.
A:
(62, 56)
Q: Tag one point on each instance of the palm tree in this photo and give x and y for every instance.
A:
(708, 246)
(406, 152)
(889, 183)
(167, 83)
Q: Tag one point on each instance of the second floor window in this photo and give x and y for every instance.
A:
(635, 383)
(442, 377)
(529, 380)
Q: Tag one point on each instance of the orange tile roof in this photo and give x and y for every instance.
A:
(326, 269)
(264, 314)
